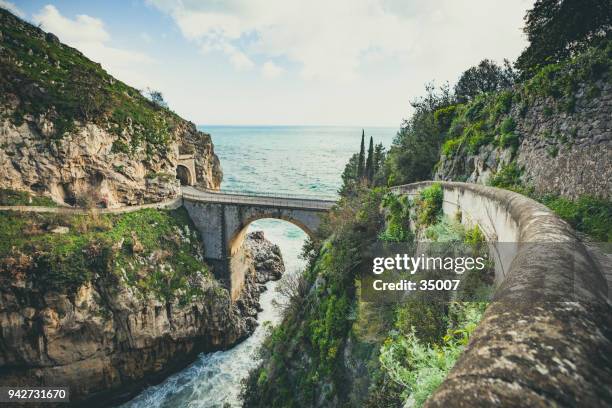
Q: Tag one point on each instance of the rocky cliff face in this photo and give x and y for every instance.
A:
(82, 169)
(70, 131)
(107, 338)
(556, 129)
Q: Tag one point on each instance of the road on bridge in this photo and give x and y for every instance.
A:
(262, 199)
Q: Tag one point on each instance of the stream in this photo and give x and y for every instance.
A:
(214, 379)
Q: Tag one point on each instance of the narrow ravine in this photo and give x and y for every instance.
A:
(214, 379)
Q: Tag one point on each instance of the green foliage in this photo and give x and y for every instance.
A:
(361, 161)
(474, 237)
(487, 77)
(508, 176)
(509, 139)
(416, 147)
(369, 169)
(451, 147)
(16, 197)
(508, 125)
(398, 219)
(587, 214)
(56, 81)
(65, 261)
(356, 174)
(557, 29)
(552, 151)
(476, 136)
(318, 326)
(420, 367)
(120, 147)
(561, 80)
(429, 205)
(503, 103)
(444, 231)
(444, 116)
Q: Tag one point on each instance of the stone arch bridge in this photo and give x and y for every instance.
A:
(223, 218)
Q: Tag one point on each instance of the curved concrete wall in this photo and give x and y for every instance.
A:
(546, 338)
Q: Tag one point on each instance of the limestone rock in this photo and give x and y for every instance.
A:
(82, 168)
(561, 153)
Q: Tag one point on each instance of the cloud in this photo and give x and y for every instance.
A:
(89, 36)
(336, 39)
(146, 37)
(271, 70)
(328, 39)
(7, 5)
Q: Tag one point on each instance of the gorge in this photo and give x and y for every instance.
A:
(132, 273)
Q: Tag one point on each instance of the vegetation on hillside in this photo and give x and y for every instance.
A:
(15, 197)
(156, 252)
(327, 329)
(488, 100)
(587, 214)
(558, 29)
(43, 78)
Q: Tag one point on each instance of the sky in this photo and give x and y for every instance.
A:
(285, 62)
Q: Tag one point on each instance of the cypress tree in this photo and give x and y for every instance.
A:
(361, 162)
(370, 161)
(378, 162)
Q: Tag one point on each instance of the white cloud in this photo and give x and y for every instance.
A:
(327, 38)
(271, 70)
(146, 37)
(7, 5)
(335, 39)
(89, 36)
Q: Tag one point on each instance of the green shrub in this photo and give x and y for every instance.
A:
(418, 367)
(508, 176)
(552, 151)
(443, 117)
(509, 139)
(476, 136)
(429, 205)
(451, 146)
(398, 219)
(503, 103)
(587, 214)
(120, 147)
(63, 262)
(16, 197)
(508, 125)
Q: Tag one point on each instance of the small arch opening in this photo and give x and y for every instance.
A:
(184, 176)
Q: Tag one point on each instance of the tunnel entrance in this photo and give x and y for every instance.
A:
(183, 174)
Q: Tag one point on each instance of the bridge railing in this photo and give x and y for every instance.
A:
(273, 195)
(242, 197)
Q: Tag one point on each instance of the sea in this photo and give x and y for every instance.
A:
(296, 160)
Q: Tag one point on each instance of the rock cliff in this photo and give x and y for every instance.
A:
(137, 317)
(70, 131)
(555, 130)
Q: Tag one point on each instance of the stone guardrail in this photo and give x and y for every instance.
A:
(169, 205)
(261, 199)
(546, 338)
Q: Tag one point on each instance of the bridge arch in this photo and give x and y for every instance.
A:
(223, 220)
(236, 240)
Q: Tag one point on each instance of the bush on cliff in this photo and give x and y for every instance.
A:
(303, 356)
(154, 251)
